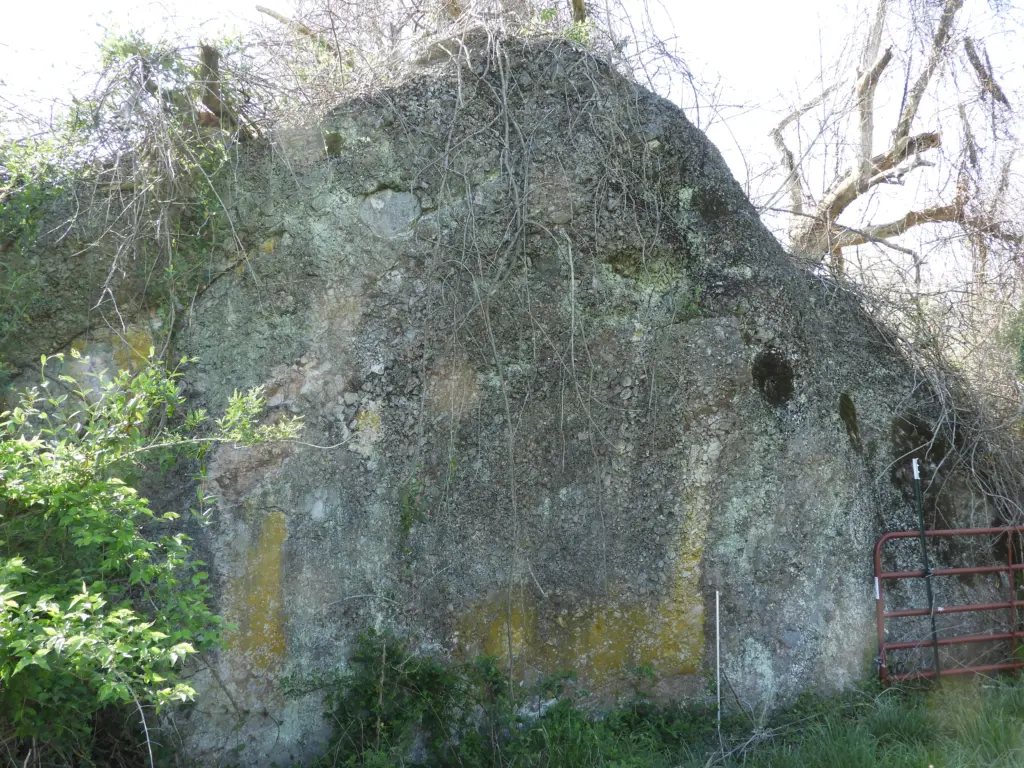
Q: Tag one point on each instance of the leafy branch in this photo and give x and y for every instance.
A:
(98, 606)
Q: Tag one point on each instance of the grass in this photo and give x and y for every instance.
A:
(965, 723)
(401, 709)
(968, 724)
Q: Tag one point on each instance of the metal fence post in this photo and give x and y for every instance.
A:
(927, 573)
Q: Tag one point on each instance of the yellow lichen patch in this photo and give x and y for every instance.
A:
(268, 245)
(121, 350)
(679, 620)
(368, 420)
(257, 606)
(369, 429)
(132, 348)
(603, 642)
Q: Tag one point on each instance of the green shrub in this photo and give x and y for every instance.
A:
(34, 173)
(398, 707)
(100, 600)
(394, 702)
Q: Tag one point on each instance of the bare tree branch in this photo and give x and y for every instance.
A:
(209, 83)
(985, 75)
(866, 103)
(970, 144)
(820, 235)
(876, 232)
(881, 163)
(898, 174)
(814, 238)
(870, 238)
(942, 34)
(799, 112)
(936, 214)
(871, 68)
(793, 182)
(300, 28)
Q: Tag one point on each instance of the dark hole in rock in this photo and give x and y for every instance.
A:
(773, 375)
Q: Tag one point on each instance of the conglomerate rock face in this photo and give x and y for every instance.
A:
(560, 386)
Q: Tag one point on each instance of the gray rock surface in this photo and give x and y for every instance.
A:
(564, 385)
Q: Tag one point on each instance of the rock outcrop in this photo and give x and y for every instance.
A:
(560, 386)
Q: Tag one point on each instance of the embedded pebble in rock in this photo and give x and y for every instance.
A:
(389, 213)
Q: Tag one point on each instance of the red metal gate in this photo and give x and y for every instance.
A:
(1010, 606)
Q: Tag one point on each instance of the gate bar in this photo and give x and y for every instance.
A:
(947, 608)
(928, 674)
(952, 571)
(956, 640)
